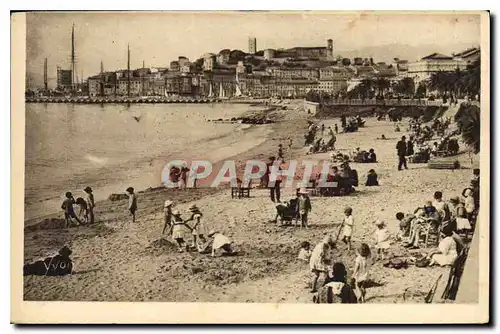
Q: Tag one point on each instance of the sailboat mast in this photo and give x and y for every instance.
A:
(128, 70)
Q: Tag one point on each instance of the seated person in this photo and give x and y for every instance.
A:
(447, 250)
(371, 178)
(336, 288)
(372, 157)
(305, 251)
(404, 224)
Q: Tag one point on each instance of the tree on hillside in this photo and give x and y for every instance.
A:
(382, 84)
(468, 119)
(405, 87)
(421, 91)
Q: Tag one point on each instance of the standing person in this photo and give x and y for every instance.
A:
(401, 149)
(304, 203)
(274, 189)
(168, 217)
(90, 204)
(321, 259)
(179, 230)
(336, 128)
(322, 129)
(290, 142)
(469, 202)
(382, 243)
(198, 229)
(281, 156)
(69, 211)
(347, 227)
(410, 147)
(360, 273)
(132, 202)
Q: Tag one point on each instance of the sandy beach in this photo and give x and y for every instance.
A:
(116, 260)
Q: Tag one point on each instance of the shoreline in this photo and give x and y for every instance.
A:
(246, 154)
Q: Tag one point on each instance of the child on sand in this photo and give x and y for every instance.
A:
(382, 243)
(347, 227)
(132, 202)
(304, 203)
(198, 229)
(90, 204)
(69, 211)
(167, 208)
(220, 241)
(360, 273)
(178, 230)
(305, 251)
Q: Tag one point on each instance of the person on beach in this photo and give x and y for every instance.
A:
(382, 242)
(304, 205)
(198, 229)
(469, 202)
(83, 209)
(401, 149)
(281, 156)
(441, 206)
(336, 290)
(90, 204)
(69, 212)
(167, 215)
(447, 249)
(305, 251)
(336, 128)
(220, 242)
(322, 129)
(434, 149)
(410, 147)
(321, 258)
(404, 224)
(347, 227)
(372, 156)
(132, 202)
(361, 270)
(274, 189)
(371, 178)
(179, 230)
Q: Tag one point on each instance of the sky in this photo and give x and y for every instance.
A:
(160, 37)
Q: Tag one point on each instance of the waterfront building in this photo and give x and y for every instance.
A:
(469, 56)
(208, 62)
(269, 54)
(422, 70)
(64, 79)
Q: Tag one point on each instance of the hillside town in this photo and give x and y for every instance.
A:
(282, 73)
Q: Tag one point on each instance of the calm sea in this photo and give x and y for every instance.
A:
(111, 147)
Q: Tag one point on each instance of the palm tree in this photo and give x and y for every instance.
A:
(468, 119)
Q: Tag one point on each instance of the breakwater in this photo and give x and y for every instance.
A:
(102, 100)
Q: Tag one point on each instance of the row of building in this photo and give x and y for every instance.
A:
(282, 72)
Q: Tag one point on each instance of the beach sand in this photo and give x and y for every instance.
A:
(116, 260)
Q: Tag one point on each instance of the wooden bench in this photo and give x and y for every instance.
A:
(444, 165)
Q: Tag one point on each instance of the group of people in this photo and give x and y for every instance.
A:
(364, 156)
(448, 219)
(319, 144)
(201, 239)
(321, 259)
(86, 204)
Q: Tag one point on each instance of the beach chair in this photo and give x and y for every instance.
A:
(431, 235)
(443, 165)
(241, 192)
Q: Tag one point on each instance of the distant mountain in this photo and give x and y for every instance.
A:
(387, 52)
